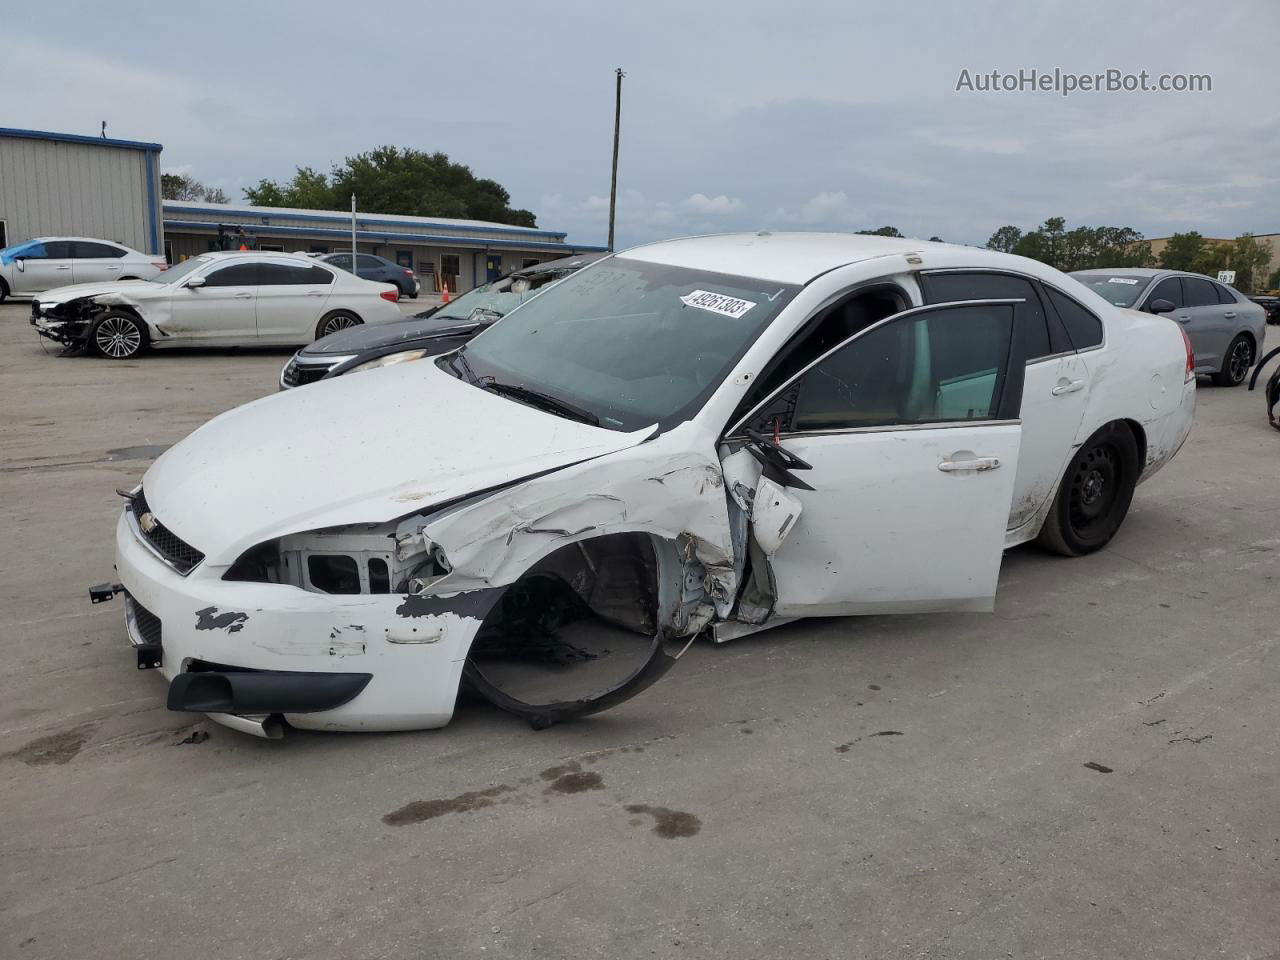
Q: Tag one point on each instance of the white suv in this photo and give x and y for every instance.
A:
(47, 262)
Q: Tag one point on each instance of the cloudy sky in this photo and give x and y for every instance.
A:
(736, 115)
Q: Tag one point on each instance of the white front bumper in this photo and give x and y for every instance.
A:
(415, 660)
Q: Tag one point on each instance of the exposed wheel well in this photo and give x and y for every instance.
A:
(4, 289)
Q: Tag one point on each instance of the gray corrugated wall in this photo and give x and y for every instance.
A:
(52, 188)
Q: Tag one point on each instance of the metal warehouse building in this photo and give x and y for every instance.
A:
(465, 253)
(61, 184)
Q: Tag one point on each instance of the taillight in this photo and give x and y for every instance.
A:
(408, 273)
(160, 264)
(390, 295)
(1191, 356)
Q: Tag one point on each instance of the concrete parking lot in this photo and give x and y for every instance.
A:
(1090, 771)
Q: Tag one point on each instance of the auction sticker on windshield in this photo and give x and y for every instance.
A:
(1127, 281)
(720, 303)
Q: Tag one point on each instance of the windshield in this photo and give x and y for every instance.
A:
(628, 342)
(497, 298)
(180, 270)
(1120, 289)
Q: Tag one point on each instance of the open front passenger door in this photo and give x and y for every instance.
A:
(911, 434)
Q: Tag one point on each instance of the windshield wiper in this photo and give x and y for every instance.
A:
(536, 398)
(459, 362)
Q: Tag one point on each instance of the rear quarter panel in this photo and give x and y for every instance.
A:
(1139, 375)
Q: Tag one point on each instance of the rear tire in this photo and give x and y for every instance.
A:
(118, 335)
(1094, 494)
(1236, 364)
(4, 291)
(338, 320)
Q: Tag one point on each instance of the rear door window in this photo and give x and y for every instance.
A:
(1084, 329)
(1033, 333)
(1199, 292)
(85, 250)
(1167, 289)
(289, 275)
(1224, 295)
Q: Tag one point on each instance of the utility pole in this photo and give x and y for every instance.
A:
(613, 183)
(353, 233)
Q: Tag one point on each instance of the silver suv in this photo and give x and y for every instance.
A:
(47, 262)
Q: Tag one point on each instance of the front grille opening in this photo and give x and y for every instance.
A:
(176, 552)
(145, 622)
(297, 374)
(333, 573)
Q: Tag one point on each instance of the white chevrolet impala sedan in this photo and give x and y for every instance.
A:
(216, 299)
(707, 436)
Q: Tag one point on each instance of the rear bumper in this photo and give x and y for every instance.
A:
(320, 661)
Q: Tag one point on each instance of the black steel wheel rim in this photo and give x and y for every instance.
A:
(1095, 488)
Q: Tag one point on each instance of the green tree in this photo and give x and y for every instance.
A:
(1250, 259)
(1005, 239)
(1182, 250)
(183, 186)
(394, 180)
(881, 232)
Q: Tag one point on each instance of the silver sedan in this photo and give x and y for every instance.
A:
(1225, 328)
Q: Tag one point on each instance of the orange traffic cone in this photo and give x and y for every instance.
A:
(243, 247)
(444, 290)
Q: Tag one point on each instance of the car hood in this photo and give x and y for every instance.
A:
(133, 289)
(367, 449)
(377, 336)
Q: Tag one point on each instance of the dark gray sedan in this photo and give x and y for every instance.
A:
(1225, 327)
(379, 270)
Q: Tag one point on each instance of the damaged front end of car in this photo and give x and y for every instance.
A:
(71, 322)
(546, 602)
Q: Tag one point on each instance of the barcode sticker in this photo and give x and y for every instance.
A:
(720, 303)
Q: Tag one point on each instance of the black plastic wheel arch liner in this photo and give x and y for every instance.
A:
(263, 691)
(541, 716)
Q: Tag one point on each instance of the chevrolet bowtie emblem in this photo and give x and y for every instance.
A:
(148, 522)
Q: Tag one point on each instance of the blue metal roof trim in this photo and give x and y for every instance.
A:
(267, 217)
(78, 138)
(387, 239)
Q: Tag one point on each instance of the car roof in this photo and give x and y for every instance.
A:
(233, 254)
(793, 258)
(1144, 272)
(114, 243)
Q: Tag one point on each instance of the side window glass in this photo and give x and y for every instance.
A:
(1199, 292)
(1167, 289)
(84, 250)
(57, 250)
(288, 275)
(369, 263)
(1224, 295)
(1084, 329)
(319, 275)
(828, 327)
(940, 366)
(236, 275)
(32, 251)
(1033, 328)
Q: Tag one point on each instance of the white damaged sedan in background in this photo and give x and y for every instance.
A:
(705, 436)
(214, 300)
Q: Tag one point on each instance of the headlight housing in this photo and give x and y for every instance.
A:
(390, 360)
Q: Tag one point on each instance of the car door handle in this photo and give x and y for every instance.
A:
(1182, 318)
(65, 267)
(244, 296)
(1069, 387)
(1229, 314)
(975, 464)
(315, 293)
